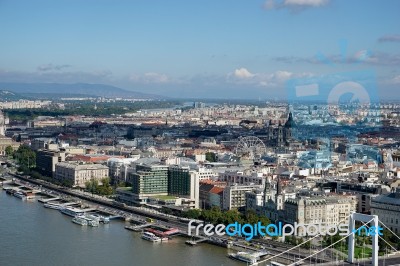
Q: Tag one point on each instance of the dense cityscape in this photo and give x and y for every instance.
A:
(218, 163)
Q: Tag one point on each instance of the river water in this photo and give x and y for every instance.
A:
(33, 235)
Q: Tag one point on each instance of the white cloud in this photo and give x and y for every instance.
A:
(390, 38)
(395, 80)
(243, 73)
(310, 3)
(150, 77)
(52, 67)
(294, 5)
(277, 78)
(360, 57)
(282, 75)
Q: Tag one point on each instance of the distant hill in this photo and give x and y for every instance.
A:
(100, 90)
(9, 96)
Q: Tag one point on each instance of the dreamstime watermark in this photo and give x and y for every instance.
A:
(249, 231)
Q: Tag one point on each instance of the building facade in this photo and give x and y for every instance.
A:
(78, 174)
(235, 196)
(319, 210)
(46, 161)
(387, 207)
(182, 182)
(149, 180)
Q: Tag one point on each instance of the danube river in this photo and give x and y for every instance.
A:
(33, 235)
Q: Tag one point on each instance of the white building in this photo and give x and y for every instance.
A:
(118, 168)
(78, 174)
(242, 178)
(205, 173)
(235, 196)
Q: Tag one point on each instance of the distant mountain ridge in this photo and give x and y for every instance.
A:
(100, 90)
(10, 96)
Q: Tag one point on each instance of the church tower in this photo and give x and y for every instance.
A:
(289, 126)
(2, 124)
(279, 195)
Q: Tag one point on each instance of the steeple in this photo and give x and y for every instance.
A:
(2, 124)
(290, 122)
(278, 187)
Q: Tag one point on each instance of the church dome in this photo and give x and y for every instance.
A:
(290, 122)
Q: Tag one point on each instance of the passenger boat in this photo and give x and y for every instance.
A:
(151, 237)
(53, 206)
(100, 218)
(80, 220)
(10, 191)
(93, 223)
(71, 211)
(20, 195)
(245, 257)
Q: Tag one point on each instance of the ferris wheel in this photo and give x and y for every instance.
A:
(250, 147)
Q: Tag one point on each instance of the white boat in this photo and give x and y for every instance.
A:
(101, 218)
(93, 223)
(92, 217)
(105, 220)
(80, 220)
(151, 237)
(245, 257)
(20, 195)
(71, 211)
(53, 206)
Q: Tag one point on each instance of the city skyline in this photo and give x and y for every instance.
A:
(241, 49)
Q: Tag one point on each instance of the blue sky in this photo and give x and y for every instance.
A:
(204, 48)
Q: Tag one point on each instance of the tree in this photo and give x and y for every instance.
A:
(232, 216)
(251, 217)
(211, 157)
(25, 156)
(92, 186)
(193, 213)
(306, 244)
(9, 151)
(105, 189)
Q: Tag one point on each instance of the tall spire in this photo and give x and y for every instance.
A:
(279, 186)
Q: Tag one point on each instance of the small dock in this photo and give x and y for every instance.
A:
(138, 228)
(194, 242)
(170, 232)
(48, 199)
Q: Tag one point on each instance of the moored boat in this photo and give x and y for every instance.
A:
(19, 194)
(71, 211)
(80, 220)
(53, 206)
(93, 223)
(244, 256)
(151, 237)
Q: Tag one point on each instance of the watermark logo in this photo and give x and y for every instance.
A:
(339, 101)
(249, 231)
(348, 93)
(369, 231)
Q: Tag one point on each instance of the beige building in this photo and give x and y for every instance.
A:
(387, 207)
(5, 142)
(78, 174)
(320, 209)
